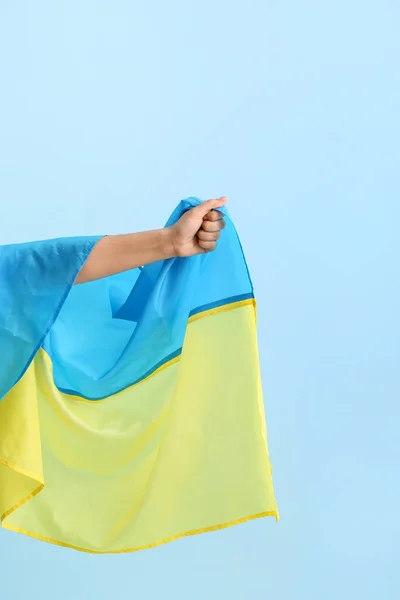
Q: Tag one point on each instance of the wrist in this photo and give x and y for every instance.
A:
(168, 241)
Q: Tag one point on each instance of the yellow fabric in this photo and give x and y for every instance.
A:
(182, 452)
(21, 472)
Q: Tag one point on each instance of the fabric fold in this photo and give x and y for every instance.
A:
(35, 280)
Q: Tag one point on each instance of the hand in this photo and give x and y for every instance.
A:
(198, 230)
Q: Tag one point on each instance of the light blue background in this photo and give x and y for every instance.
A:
(111, 112)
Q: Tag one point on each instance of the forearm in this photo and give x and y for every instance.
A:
(116, 253)
(196, 232)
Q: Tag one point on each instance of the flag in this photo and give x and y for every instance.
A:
(131, 409)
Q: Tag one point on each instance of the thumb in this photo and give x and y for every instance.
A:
(204, 208)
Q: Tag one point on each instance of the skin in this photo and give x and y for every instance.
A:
(196, 232)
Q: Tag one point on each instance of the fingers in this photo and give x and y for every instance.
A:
(210, 233)
(208, 246)
(212, 223)
(211, 226)
(215, 203)
(205, 236)
(214, 215)
(205, 207)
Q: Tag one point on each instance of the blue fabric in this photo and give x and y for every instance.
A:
(35, 280)
(105, 335)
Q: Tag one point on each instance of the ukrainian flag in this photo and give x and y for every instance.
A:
(131, 408)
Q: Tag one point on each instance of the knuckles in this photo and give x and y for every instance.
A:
(208, 236)
(211, 226)
(214, 215)
(208, 246)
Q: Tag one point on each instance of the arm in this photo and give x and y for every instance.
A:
(196, 232)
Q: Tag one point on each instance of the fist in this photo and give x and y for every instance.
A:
(199, 229)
